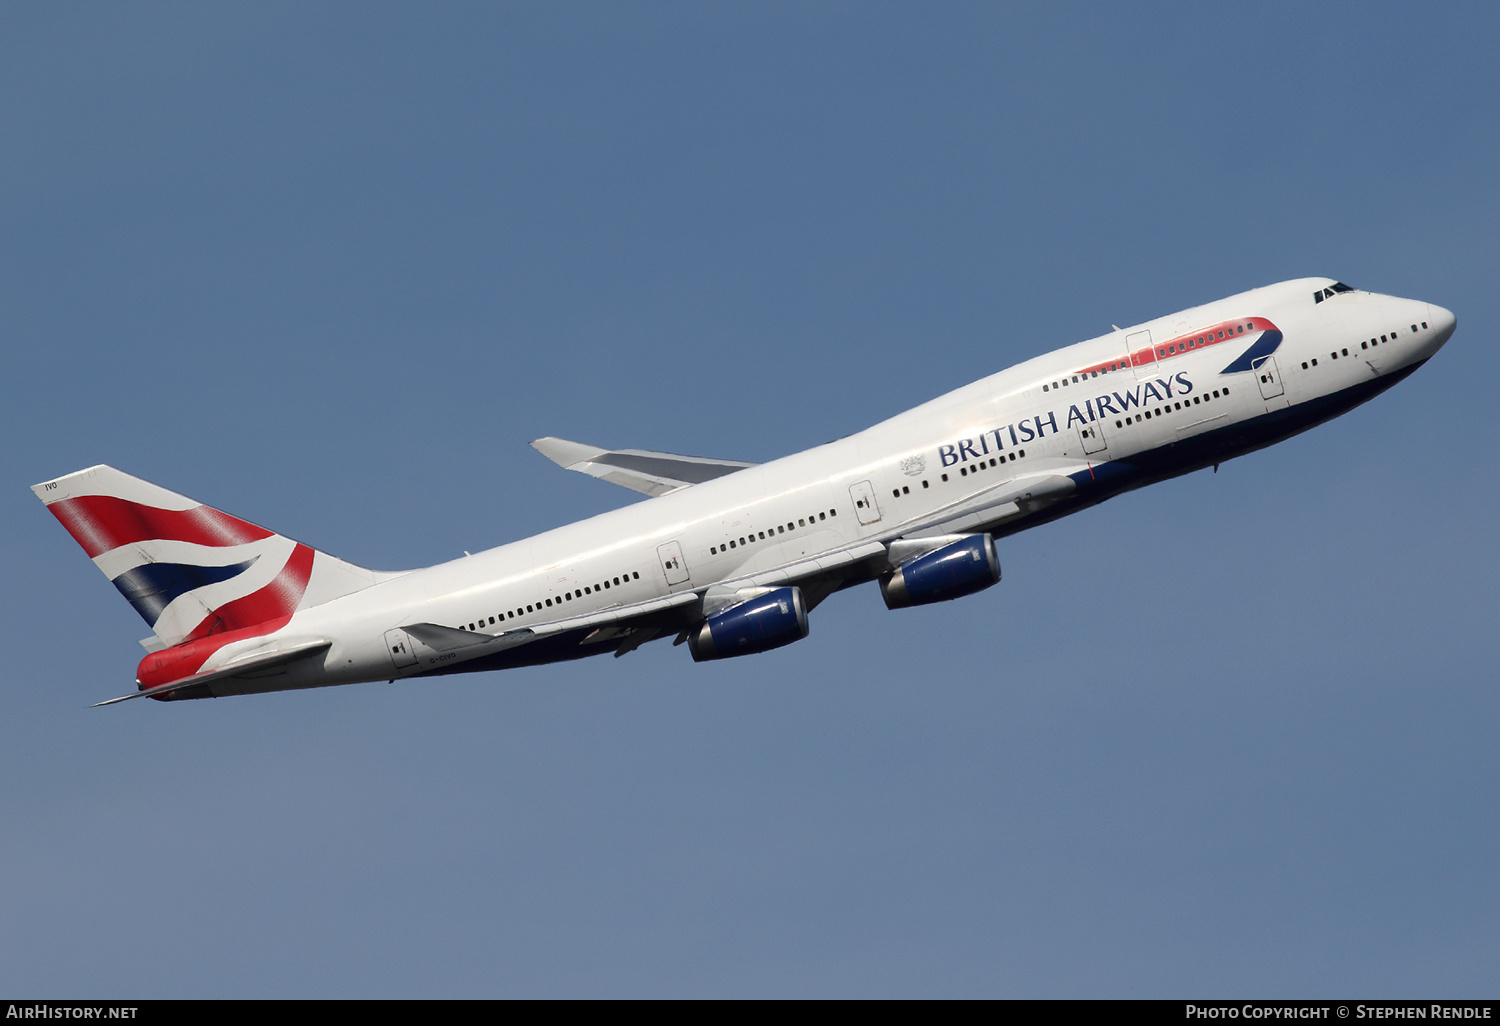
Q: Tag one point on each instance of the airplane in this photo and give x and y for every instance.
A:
(731, 557)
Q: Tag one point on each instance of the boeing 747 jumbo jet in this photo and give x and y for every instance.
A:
(731, 557)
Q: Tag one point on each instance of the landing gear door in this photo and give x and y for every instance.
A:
(1268, 377)
(672, 563)
(1092, 437)
(864, 502)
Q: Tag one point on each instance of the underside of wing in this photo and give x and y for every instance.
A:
(640, 470)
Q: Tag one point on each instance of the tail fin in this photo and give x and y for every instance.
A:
(188, 569)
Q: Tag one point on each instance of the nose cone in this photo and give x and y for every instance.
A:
(1443, 322)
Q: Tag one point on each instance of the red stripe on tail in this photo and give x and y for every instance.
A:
(259, 613)
(276, 600)
(103, 522)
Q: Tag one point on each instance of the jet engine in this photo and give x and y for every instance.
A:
(759, 624)
(951, 571)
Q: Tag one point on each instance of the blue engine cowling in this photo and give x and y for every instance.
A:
(758, 625)
(957, 569)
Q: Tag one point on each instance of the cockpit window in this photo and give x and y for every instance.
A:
(1337, 286)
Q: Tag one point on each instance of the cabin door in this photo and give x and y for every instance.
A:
(1141, 355)
(1268, 377)
(672, 563)
(864, 502)
(1092, 436)
(400, 647)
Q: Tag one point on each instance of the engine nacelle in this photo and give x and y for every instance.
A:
(957, 569)
(759, 624)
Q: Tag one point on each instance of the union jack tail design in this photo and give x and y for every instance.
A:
(191, 571)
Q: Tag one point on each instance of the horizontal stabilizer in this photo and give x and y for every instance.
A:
(640, 470)
(237, 668)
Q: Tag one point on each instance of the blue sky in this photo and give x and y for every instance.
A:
(330, 268)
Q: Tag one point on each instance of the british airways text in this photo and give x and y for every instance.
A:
(1026, 429)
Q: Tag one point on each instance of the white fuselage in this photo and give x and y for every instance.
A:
(1055, 416)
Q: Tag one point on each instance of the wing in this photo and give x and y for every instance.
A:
(640, 470)
(819, 576)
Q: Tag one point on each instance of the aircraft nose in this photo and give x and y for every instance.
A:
(1443, 322)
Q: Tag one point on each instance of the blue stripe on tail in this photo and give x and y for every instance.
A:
(151, 587)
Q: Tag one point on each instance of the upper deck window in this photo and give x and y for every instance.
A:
(1336, 287)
